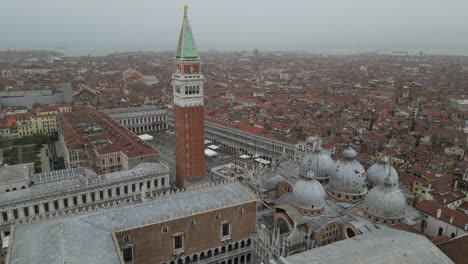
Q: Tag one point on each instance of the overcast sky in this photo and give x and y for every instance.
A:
(97, 26)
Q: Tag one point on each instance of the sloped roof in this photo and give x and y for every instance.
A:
(87, 238)
(380, 246)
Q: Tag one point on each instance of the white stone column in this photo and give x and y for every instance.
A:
(31, 210)
(10, 215)
(20, 212)
(41, 208)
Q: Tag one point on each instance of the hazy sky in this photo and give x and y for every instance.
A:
(97, 26)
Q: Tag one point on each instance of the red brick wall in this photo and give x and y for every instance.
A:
(190, 135)
(284, 187)
(152, 246)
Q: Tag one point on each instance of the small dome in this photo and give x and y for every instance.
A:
(386, 201)
(348, 177)
(379, 171)
(308, 194)
(318, 162)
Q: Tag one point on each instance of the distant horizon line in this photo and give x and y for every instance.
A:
(332, 51)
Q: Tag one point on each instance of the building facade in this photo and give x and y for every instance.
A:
(140, 119)
(60, 193)
(202, 224)
(187, 83)
(442, 221)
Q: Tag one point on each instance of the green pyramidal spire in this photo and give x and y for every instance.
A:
(186, 49)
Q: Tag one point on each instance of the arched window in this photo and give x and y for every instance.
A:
(223, 249)
(350, 232)
(441, 231)
(248, 242)
(195, 258)
(192, 222)
(202, 256)
(165, 229)
(180, 261)
(283, 226)
(209, 254)
(217, 216)
(187, 260)
(126, 238)
(452, 235)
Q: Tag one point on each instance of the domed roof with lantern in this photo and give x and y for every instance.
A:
(386, 200)
(379, 171)
(318, 162)
(348, 177)
(308, 193)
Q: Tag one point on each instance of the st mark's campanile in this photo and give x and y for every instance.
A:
(187, 83)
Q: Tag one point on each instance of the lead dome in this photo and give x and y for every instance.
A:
(308, 195)
(348, 178)
(318, 162)
(386, 203)
(379, 171)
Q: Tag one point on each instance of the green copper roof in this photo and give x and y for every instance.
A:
(186, 49)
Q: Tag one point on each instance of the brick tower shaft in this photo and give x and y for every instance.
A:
(187, 82)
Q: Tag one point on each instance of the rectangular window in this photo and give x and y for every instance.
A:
(148, 184)
(46, 207)
(178, 243)
(93, 196)
(117, 191)
(75, 200)
(125, 189)
(225, 230)
(15, 213)
(83, 198)
(156, 183)
(133, 187)
(65, 202)
(56, 205)
(5, 216)
(109, 192)
(127, 254)
(163, 181)
(26, 211)
(101, 195)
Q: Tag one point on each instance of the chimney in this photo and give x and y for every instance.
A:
(455, 185)
(451, 219)
(439, 213)
(466, 227)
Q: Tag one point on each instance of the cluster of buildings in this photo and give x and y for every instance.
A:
(90, 138)
(383, 179)
(39, 120)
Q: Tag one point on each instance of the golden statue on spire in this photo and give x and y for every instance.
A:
(185, 8)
